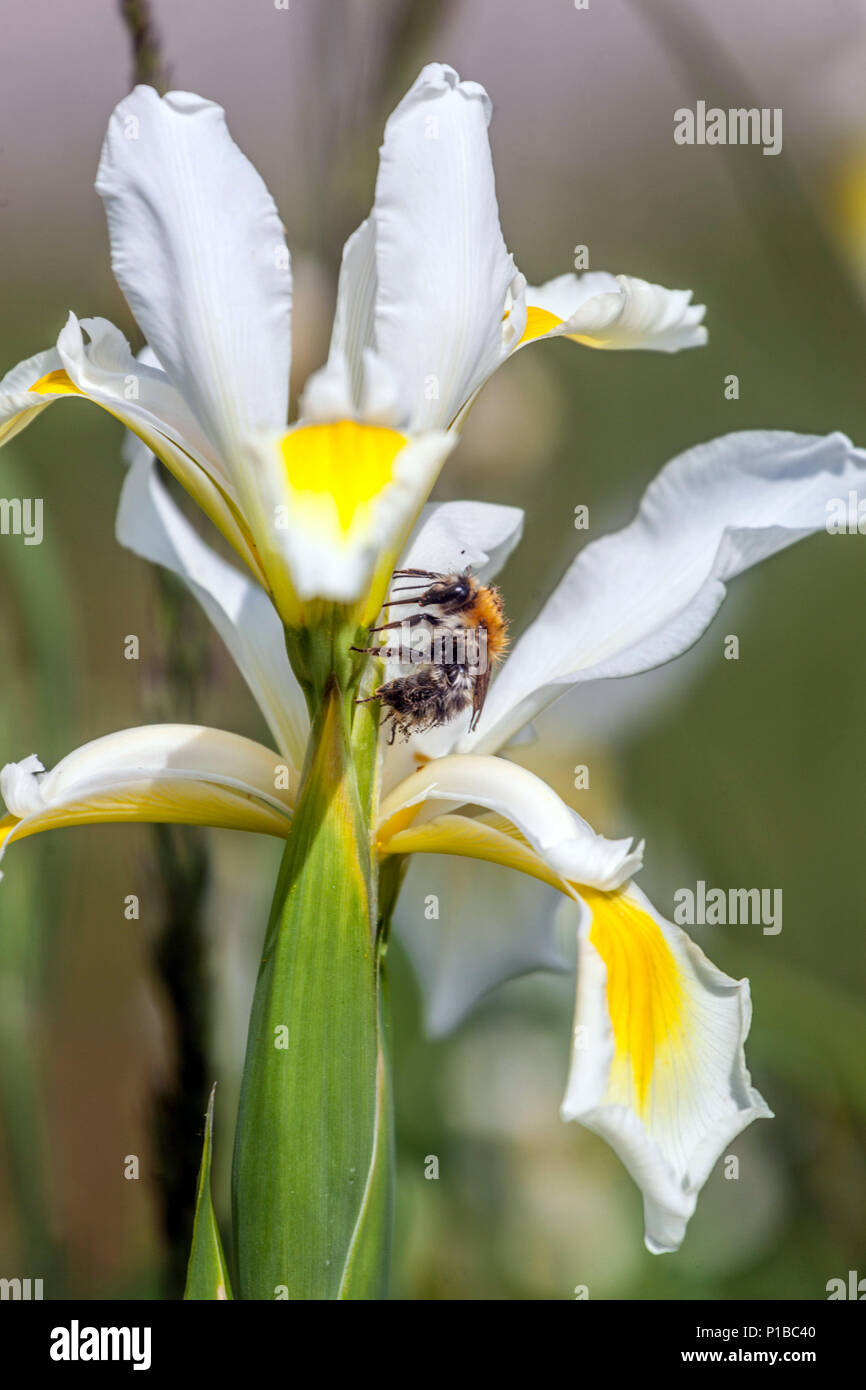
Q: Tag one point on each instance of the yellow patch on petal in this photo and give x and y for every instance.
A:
(644, 992)
(7, 825)
(538, 322)
(468, 837)
(55, 383)
(340, 468)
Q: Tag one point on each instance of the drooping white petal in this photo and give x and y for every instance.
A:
(443, 317)
(134, 389)
(614, 311)
(559, 837)
(161, 772)
(101, 368)
(150, 524)
(490, 925)
(19, 405)
(198, 250)
(640, 597)
(658, 1067)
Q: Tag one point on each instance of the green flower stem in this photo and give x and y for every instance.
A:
(312, 1172)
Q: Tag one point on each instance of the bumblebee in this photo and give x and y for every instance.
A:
(469, 637)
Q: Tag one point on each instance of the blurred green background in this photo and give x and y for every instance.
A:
(740, 773)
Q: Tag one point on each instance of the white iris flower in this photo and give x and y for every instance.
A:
(430, 304)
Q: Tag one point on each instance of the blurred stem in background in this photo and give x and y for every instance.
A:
(180, 851)
(32, 905)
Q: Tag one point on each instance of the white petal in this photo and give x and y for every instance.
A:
(18, 404)
(354, 319)
(335, 505)
(606, 311)
(162, 772)
(327, 393)
(137, 392)
(658, 1068)
(557, 834)
(456, 535)
(443, 273)
(150, 524)
(198, 250)
(640, 597)
(492, 925)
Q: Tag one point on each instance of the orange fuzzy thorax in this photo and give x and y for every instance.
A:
(487, 611)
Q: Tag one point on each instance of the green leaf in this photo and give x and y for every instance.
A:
(312, 1176)
(207, 1274)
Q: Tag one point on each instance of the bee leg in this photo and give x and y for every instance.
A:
(424, 574)
(383, 652)
(429, 618)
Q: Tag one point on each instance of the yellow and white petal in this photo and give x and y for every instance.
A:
(153, 526)
(643, 595)
(19, 403)
(162, 772)
(445, 315)
(101, 368)
(337, 501)
(198, 249)
(658, 1067)
(607, 311)
(569, 849)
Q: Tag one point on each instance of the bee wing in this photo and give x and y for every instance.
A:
(479, 695)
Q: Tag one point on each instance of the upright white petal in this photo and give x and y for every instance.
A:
(640, 597)
(198, 249)
(150, 524)
(354, 320)
(161, 772)
(443, 318)
(614, 311)
(658, 1068)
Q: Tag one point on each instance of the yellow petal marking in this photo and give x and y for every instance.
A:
(169, 802)
(538, 322)
(340, 469)
(55, 383)
(469, 837)
(644, 992)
